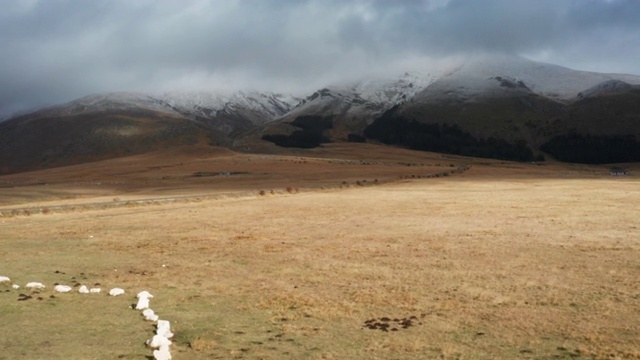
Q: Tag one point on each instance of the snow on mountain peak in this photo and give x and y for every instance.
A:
(373, 93)
(605, 87)
(106, 101)
(392, 91)
(210, 103)
(477, 77)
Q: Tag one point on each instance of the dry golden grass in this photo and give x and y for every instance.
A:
(197, 171)
(503, 261)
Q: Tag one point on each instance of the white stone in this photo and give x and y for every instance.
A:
(35, 285)
(162, 353)
(143, 303)
(116, 291)
(149, 315)
(164, 328)
(62, 288)
(158, 340)
(144, 294)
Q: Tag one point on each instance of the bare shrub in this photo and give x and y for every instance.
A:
(261, 193)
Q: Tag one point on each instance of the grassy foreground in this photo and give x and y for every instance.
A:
(459, 267)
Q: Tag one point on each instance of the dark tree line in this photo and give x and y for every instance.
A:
(398, 130)
(593, 149)
(310, 135)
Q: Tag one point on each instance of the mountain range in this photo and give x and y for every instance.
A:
(491, 106)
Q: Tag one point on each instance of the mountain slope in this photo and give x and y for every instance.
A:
(34, 142)
(603, 126)
(474, 78)
(492, 106)
(230, 113)
(345, 109)
(506, 107)
(104, 126)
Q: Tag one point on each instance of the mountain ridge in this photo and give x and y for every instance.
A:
(500, 99)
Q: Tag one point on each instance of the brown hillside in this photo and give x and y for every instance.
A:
(38, 142)
(608, 114)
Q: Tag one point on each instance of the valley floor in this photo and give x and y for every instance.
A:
(501, 261)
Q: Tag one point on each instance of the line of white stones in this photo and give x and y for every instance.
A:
(160, 342)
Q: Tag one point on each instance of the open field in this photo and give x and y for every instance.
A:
(504, 260)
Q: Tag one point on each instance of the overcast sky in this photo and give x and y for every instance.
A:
(57, 50)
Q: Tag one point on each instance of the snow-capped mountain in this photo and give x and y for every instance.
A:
(229, 112)
(493, 106)
(350, 106)
(484, 106)
(103, 102)
(203, 103)
(513, 108)
(364, 98)
(605, 87)
(114, 124)
(502, 75)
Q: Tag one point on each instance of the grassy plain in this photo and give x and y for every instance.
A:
(504, 260)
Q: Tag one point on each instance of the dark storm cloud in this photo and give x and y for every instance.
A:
(506, 26)
(56, 50)
(461, 26)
